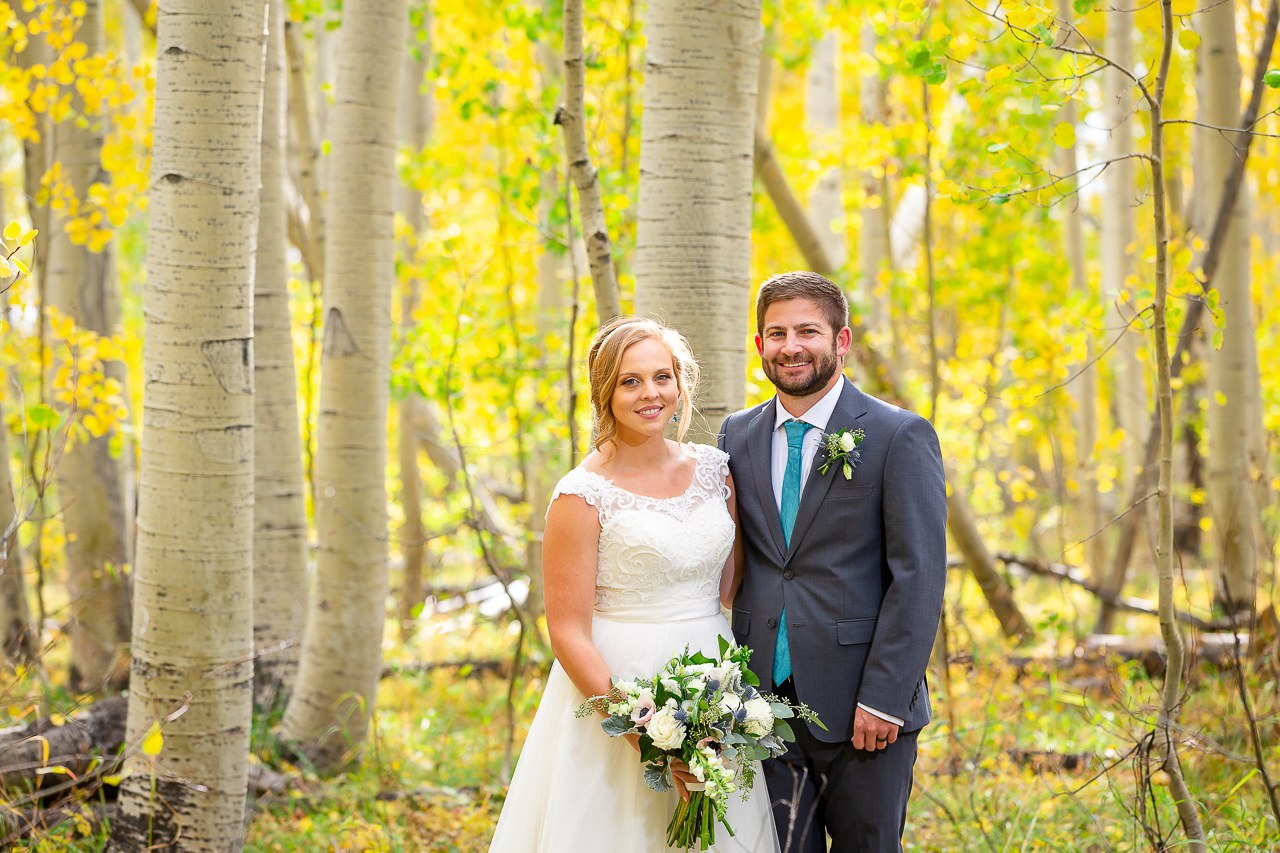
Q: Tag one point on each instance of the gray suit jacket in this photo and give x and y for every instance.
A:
(864, 577)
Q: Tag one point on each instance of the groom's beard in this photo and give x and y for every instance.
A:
(825, 366)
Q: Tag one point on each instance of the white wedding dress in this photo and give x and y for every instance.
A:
(657, 589)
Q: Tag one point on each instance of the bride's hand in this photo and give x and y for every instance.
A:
(680, 772)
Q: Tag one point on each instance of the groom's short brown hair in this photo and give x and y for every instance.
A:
(802, 284)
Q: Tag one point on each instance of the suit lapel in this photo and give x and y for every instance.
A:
(760, 445)
(851, 406)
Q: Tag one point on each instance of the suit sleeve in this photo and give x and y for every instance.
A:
(914, 513)
(724, 430)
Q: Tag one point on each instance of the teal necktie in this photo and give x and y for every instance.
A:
(790, 505)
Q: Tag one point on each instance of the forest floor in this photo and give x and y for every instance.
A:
(1043, 755)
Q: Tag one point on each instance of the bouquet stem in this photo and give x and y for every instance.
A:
(694, 822)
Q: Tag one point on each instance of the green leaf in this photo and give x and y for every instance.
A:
(749, 677)
(781, 710)
(1216, 343)
(783, 730)
(1000, 198)
(1189, 39)
(43, 417)
(1084, 7)
(616, 726)
(995, 147)
(1272, 78)
(724, 646)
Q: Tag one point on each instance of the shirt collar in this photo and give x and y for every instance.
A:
(818, 415)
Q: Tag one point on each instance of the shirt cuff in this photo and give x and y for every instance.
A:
(873, 711)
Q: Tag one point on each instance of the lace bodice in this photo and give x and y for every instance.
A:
(659, 550)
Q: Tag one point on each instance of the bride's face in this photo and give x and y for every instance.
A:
(644, 398)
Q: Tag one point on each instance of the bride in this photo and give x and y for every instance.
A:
(637, 554)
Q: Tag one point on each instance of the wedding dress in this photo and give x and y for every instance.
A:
(657, 589)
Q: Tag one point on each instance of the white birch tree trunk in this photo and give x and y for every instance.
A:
(193, 595)
(1120, 202)
(822, 115)
(1233, 422)
(280, 511)
(333, 699)
(873, 236)
(413, 127)
(78, 284)
(693, 239)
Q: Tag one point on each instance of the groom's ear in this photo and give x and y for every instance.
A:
(844, 340)
(759, 346)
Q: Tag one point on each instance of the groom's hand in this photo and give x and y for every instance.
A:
(870, 732)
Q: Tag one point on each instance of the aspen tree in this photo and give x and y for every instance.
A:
(18, 638)
(81, 285)
(1234, 419)
(190, 686)
(822, 118)
(1120, 202)
(873, 236)
(279, 511)
(332, 703)
(693, 239)
(414, 118)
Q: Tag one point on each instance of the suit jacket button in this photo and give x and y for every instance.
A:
(772, 623)
(788, 574)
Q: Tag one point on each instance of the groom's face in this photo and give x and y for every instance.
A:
(799, 351)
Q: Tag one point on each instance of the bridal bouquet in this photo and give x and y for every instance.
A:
(708, 714)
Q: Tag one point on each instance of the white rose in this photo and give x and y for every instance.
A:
(730, 703)
(665, 730)
(699, 669)
(630, 688)
(672, 686)
(846, 442)
(759, 720)
(697, 685)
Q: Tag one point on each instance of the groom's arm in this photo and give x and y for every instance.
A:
(914, 513)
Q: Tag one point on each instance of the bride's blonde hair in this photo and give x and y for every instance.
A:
(604, 358)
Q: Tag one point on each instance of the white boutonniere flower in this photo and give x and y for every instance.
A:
(841, 450)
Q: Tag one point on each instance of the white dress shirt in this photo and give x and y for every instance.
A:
(819, 415)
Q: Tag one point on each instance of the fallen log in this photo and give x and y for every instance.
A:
(73, 744)
(1073, 575)
(465, 667)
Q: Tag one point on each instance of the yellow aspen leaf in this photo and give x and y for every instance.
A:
(99, 239)
(1189, 39)
(27, 237)
(154, 741)
(57, 719)
(1206, 524)
(938, 31)
(1064, 135)
(998, 73)
(12, 230)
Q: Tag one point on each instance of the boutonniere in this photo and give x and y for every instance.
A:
(840, 450)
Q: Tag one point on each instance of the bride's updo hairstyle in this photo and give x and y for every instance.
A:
(604, 359)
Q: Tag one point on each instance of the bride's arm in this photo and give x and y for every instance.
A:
(569, 546)
(731, 577)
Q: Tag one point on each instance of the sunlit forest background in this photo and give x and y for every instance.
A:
(296, 298)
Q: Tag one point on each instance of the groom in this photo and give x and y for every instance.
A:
(844, 573)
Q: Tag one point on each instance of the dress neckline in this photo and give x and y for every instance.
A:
(693, 480)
